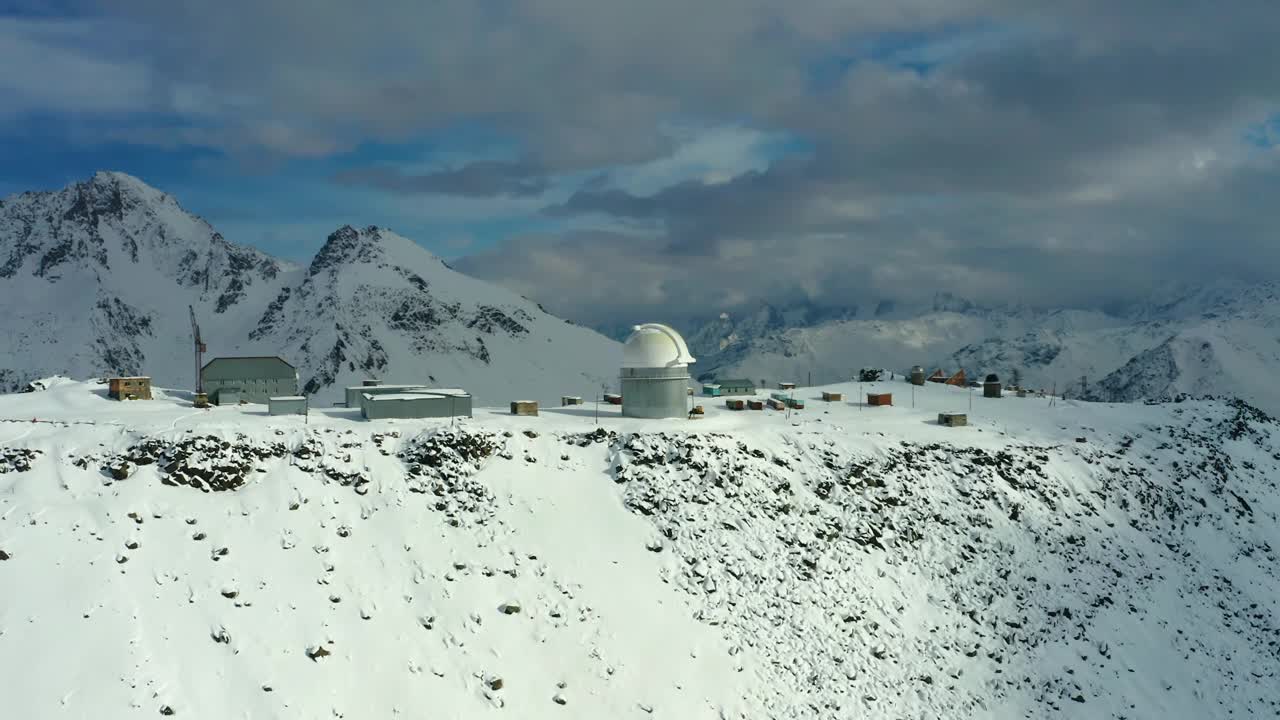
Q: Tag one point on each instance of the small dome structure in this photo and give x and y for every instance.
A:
(655, 373)
(991, 387)
(654, 345)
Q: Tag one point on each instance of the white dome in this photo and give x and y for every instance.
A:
(655, 346)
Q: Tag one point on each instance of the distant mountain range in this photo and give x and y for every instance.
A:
(1217, 341)
(96, 278)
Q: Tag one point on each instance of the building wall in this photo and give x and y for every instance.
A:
(287, 407)
(122, 388)
(255, 390)
(655, 392)
(437, 406)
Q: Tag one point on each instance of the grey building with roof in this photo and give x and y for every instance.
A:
(421, 403)
(248, 379)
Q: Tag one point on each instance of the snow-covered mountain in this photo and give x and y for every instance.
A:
(96, 279)
(1122, 355)
(1230, 356)
(1079, 560)
(1043, 345)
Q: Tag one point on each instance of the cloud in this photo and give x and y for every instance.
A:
(49, 65)
(486, 178)
(829, 151)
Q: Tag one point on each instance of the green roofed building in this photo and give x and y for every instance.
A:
(731, 387)
(248, 379)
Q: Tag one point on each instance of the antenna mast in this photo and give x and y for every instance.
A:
(199, 348)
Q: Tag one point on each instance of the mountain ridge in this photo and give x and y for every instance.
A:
(95, 279)
(1046, 348)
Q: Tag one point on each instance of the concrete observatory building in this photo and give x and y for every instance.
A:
(655, 373)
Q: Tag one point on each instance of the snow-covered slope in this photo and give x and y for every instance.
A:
(96, 279)
(1076, 560)
(1218, 357)
(375, 304)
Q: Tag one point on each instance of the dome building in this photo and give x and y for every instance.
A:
(655, 373)
(991, 387)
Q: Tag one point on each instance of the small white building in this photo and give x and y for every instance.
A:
(287, 405)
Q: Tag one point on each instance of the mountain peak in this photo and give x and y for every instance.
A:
(347, 245)
(113, 182)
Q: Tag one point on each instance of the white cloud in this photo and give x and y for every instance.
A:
(713, 155)
(51, 65)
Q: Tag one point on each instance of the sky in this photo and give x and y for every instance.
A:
(621, 161)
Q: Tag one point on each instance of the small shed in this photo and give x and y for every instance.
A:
(287, 405)
(613, 398)
(710, 389)
(917, 376)
(570, 400)
(777, 404)
(786, 386)
(879, 399)
(832, 396)
(733, 404)
(525, 407)
(129, 388)
(755, 404)
(953, 419)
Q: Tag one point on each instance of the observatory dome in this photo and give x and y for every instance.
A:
(654, 345)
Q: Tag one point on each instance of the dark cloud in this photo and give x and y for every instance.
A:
(1083, 152)
(487, 178)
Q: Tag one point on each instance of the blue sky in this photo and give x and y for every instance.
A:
(863, 150)
(287, 205)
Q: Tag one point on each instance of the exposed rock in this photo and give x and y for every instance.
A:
(317, 652)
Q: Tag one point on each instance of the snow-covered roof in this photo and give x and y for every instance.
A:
(654, 345)
(287, 397)
(426, 394)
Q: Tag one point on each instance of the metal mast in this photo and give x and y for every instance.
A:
(199, 347)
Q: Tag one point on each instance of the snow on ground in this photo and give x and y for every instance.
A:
(1072, 560)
